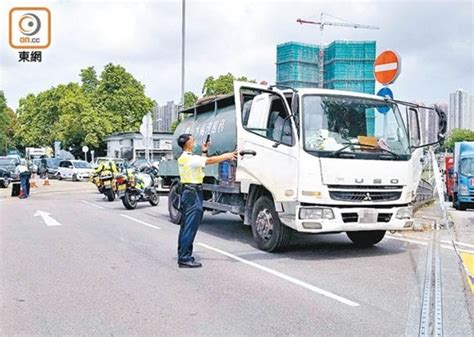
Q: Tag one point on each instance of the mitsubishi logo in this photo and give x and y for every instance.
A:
(367, 197)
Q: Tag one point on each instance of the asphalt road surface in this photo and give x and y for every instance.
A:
(72, 263)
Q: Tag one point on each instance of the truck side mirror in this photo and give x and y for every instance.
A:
(442, 122)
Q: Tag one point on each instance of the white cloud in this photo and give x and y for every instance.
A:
(434, 39)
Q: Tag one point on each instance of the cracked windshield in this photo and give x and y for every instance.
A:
(236, 168)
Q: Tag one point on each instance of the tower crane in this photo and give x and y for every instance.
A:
(322, 24)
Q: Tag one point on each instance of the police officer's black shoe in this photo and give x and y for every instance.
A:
(189, 264)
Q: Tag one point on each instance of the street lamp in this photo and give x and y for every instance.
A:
(183, 36)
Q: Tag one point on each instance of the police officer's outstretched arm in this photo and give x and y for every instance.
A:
(221, 158)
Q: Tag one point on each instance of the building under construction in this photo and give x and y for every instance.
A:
(348, 65)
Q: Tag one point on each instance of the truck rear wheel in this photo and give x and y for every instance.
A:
(175, 214)
(366, 239)
(268, 232)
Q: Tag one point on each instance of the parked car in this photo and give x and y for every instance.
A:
(5, 177)
(140, 164)
(9, 164)
(49, 167)
(75, 170)
(35, 163)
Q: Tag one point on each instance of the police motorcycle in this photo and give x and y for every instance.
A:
(104, 179)
(139, 187)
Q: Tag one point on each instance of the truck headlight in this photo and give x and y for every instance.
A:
(316, 213)
(463, 190)
(404, 213)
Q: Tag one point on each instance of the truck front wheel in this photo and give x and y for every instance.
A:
(366, 239)
(268, 232)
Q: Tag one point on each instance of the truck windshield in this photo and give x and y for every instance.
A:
(364, 128)
(467, 167)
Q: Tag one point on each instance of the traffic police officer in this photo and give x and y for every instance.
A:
(24, 174)
(191, 174)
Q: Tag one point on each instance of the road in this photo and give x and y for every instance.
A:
(85, 266)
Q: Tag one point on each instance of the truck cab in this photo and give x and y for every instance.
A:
(312, 161)
(463, 175)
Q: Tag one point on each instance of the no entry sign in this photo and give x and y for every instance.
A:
(387, 67)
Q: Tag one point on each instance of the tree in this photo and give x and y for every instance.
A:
(83, 114)
(6, 120)
(122, 99)
(222, 85)
(458, 135)
(175, 124)
(89, 79)
(190, 99)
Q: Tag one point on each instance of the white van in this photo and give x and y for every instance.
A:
(74, 169)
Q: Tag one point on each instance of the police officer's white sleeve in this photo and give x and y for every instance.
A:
(197, 161)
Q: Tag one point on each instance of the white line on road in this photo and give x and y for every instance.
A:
(426, 243)
(140, 221)
(442, 241)
(284, 276)
(91, 204)
(49, 221)
(406, 240)
(459, 249)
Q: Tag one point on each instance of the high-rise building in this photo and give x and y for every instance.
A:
(348, 65)
(461, 110)
(165, 116)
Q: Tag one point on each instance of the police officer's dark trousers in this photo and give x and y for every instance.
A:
(24, 182)
(191, 208)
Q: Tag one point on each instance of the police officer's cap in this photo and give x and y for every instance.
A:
(183, 139)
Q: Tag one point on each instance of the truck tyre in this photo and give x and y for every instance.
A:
(462, 206)
(268, 232)
(175, 214)
(110, 194)
(455, 201)
(154, 199)
(366, 239)
(129, 200)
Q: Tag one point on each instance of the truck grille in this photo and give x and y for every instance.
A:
(354, 217)
(374, 196)
(366, 187)
(350, 217)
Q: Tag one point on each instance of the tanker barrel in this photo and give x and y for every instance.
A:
(217, 119)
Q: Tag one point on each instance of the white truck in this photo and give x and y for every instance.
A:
(311, 161)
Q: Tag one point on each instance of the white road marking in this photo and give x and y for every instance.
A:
(459, 249)
(442, 241)
(92, 204)
(426, 243)
(49, 221)
(406, 240)
(140, 221)
(284, 277)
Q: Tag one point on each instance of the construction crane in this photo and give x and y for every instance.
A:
(323, 23)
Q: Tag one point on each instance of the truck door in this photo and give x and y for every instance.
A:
(267, 141)
(415, 134)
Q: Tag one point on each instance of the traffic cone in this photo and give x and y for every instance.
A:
(46, 182)
(33, 183)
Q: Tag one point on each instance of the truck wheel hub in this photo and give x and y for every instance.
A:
(264, 223)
